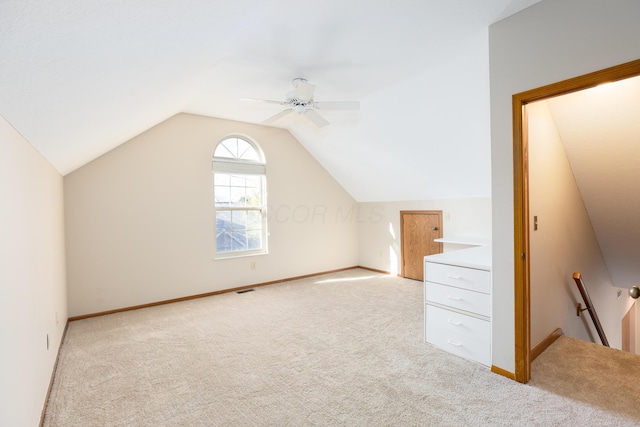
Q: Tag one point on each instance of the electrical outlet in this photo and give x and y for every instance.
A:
(253, 265)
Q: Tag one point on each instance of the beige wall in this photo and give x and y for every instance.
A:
(379, 227)
(140, 225)
(32, 277)
(564, 242)
(548, 42)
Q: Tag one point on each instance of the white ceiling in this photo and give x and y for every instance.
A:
(80, 77)
(600, 130)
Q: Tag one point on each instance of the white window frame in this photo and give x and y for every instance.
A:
(241, 167)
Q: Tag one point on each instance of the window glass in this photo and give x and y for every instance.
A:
(237, 148)
(239, 188)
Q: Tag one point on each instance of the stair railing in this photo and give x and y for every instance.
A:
(589, 306)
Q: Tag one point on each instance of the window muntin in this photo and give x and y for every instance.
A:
(239, 198)
(237, 149)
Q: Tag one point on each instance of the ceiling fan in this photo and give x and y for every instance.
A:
(300, 101)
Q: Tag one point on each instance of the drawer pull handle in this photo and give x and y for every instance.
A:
(454, 323)
(454, 298)
(452, 342)
(453, 276)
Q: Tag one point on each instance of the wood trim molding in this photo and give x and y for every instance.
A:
(545, 343)
(375, 270)
(521, 197)
(53, 375)
(521, 242)
(503, 372)
(208, 294)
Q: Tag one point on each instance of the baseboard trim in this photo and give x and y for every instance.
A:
(53, 375)
(545, 343)
(375, 270)
(503, 372)
(208, 294)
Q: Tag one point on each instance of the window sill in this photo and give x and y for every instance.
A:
(244, 254)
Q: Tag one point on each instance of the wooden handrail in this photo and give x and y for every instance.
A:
(592, 311)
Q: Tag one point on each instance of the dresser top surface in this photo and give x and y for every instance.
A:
(478, 257)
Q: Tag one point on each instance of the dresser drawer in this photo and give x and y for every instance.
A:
(465, 336)
(459, 298)
(460, 277)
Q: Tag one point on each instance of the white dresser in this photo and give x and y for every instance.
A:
(457, 302)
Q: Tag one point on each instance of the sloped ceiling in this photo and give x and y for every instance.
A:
(600, 130)
(80, 77)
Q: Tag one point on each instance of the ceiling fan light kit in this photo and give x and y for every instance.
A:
(300, 101)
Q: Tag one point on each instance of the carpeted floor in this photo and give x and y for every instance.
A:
(344, 349)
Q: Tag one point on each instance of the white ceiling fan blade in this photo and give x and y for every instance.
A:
(278, 116)
(338, 105)
(304, 91)
(316, 118)
(262, 101)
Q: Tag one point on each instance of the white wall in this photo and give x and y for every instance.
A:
(548, 42)
(140, 224)
(565, 242)
(379, 227)
(32, 277)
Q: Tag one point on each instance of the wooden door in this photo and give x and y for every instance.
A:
(417, 230)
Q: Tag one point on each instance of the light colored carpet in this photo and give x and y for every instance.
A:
(344, 349)
(590, 373)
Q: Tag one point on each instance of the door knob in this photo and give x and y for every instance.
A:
(434, 228)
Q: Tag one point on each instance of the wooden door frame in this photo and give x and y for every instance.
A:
(425, 212)
(522, 279)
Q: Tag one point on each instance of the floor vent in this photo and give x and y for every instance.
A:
(244, 291)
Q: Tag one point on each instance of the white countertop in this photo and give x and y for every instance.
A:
(477, 257)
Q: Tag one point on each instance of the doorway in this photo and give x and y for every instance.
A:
(521, 198)
(418, 229)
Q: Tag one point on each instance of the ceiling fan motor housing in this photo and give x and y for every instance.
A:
(300, 101)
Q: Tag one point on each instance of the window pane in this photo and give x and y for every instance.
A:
(222, 196)
(221, 178)
(253, 180)
(239, 241)
(238, 180)
(223, 241)
(254, 220)
(222, 218)
(225, 149)
(223, 227)
(246, 151)
(239, 220)
(237, 198)
(237, 148)
(254, 197)
(254, 239)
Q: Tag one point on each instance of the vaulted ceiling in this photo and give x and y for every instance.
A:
(80, 77)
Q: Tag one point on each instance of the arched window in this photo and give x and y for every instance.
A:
(239, 190)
